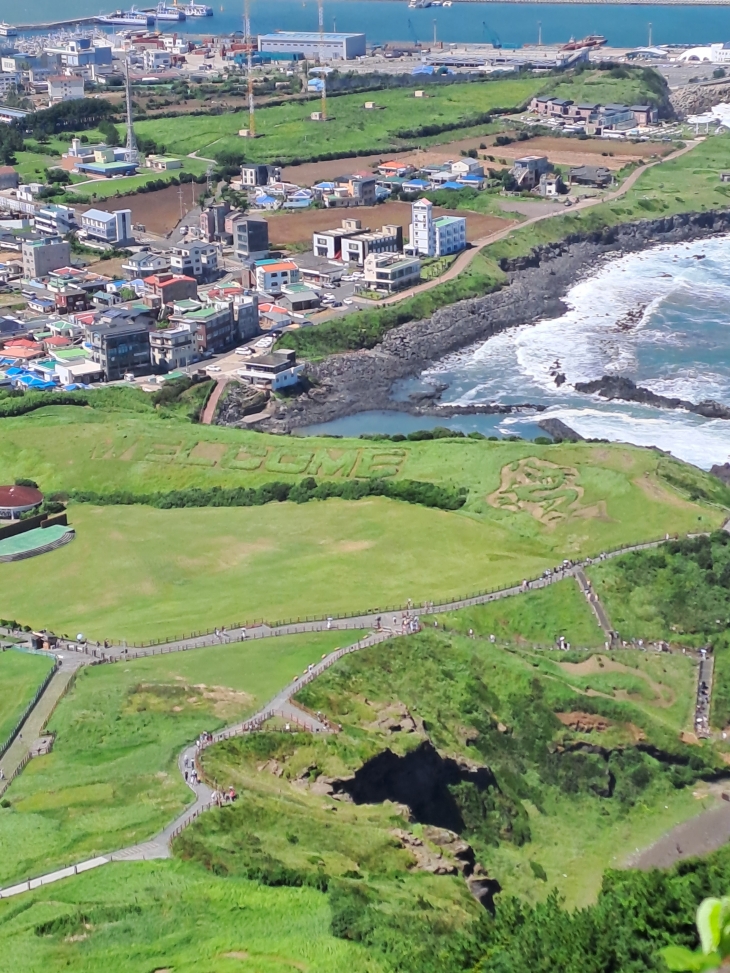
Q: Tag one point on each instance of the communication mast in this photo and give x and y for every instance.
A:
(320, 4)
(131, 154)
(249, 61)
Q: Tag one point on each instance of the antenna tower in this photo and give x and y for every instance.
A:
(249, 70)
(320, 5)
(131, 153)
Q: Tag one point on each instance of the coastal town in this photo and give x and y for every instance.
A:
(364, 491)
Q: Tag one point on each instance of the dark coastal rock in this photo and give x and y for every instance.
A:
(560, 431)
(722, 472)
(617, 387)
(362, 380)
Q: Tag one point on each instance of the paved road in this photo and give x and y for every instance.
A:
(17, 754)
(214, 398)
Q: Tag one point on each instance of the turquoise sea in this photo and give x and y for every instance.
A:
(513, 23)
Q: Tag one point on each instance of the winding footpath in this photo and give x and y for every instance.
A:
(404, 621)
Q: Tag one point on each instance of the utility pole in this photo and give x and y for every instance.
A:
(180, 196)
(249, 67)
(320, 4)
(130, 153)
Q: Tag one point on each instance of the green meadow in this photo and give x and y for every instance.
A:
(139, 572)
(20, 676)
(112, 778)
(145, 916)
(538, 617)
(286, 132)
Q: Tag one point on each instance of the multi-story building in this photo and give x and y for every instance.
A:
(422, 233)
(258, 175)
(198, 260)
(352, 191)
(250, 238)
(215, 328)
(54, 218)
(110, 228)
(450, 234)
(63, 87)
(79, 53)
(172, 348)
(391, 272)
(145, 264)
(246, 315)
(272, 275)
(42, 256)
(213, 222)
(274, 371)
(120, 346)
(528, 169)
(171, 287)
(9, 80)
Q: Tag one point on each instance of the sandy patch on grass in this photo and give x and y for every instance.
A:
(352, 547)
(236, 954)
(226, 553)
(584, 722)
(550, 493)
(664, 696)
(654, 490)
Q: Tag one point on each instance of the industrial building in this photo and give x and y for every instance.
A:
(312, 44)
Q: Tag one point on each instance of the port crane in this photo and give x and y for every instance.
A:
(495, 39)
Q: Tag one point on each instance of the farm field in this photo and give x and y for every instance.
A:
(287, 228)
(111, 779)
(174, 571)
(20, 676)
(158, 211)
(287, 131)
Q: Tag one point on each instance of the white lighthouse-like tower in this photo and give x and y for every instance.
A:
(422, 230)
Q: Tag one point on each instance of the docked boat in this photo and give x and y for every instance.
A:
(167, 12)
(592, 40)
(198, 10)
(128, 18)
(7, 31)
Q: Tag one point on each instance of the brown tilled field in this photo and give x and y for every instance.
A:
(288, 228)
(159, 211)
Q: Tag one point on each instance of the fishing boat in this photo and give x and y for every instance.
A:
(127, 18)
(592, 40)
(167, 12)
(198, 10)
(7, 31)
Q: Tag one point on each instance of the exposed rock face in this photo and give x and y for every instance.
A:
(240, 401)
(362, 380)
(616, 387)
(722, 472)
(420, 780)
(696, 98)
(559, 430)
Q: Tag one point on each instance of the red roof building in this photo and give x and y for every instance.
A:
(17, 500)
(172, 287)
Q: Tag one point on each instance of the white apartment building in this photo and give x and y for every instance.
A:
(109, 228)
(63, 87)
(438, 237)
(272, 275)
(198, 260)
(8, 80)
(173, 347)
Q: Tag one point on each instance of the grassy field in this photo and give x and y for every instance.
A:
(105, 188)
(144, 916)
(538, 617)
(174, 571)
(503, 703)
(112, 779)
(20, 676)
(288, 133)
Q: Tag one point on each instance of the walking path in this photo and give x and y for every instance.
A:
(593, 600)
(213, 400)
(280, 706)
(18, 753)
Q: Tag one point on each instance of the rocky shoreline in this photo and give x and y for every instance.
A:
(536, 284)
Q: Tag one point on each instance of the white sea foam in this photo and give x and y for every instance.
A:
(661, 318)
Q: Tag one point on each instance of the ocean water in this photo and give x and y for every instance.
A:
(660, 318)
(382, 20)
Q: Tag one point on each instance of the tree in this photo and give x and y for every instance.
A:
(713, 926)
(110, 132)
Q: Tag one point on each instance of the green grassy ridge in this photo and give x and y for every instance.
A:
(20, 676)
(112, 778)
(535, 617)
(503, 702)
(141, 916)
(175, 571)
